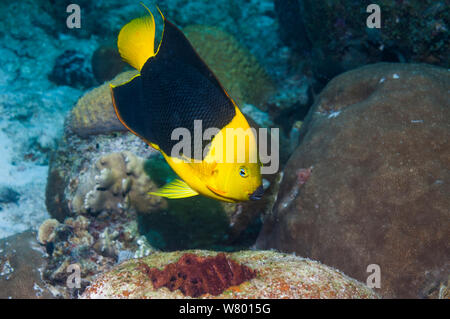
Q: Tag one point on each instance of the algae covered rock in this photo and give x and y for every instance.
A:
(108, 175)
(92, 244)
(72, 69)
(266, 274)
(378, 142)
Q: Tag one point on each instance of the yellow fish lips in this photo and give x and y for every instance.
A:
(257, 194)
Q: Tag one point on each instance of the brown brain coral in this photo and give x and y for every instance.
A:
(94, 112)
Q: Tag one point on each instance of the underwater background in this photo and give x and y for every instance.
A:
(364, 119)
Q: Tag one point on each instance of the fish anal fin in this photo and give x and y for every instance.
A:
(175, 189)
(130, 109)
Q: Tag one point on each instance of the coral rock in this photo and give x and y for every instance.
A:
(46, 231)
(21, 261)
(100, 181)
(94, 112)
(378, 140)
(244, 274)
(72, 68)
(117, 180)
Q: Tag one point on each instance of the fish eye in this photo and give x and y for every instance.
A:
(243, 172)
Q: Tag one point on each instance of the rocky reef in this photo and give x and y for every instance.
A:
(21, 264)
(93, 245)
(377, 140)
(267, 274)
(364, 154)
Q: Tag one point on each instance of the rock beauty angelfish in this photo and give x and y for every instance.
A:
(173, 89)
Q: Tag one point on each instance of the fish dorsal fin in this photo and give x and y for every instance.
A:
(176, 48)
(175, 189)
(136, 41)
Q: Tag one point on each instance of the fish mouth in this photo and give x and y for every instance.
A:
(257, 194)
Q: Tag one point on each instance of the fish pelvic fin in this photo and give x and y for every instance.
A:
(136, 41)
(175, 189)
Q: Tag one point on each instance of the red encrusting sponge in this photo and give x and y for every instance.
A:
(195, 276)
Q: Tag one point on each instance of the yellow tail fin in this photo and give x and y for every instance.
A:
(136, 41)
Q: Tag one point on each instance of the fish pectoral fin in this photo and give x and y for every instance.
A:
(175, 189)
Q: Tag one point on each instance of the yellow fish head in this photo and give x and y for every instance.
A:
(236, 182)
(236, 175)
